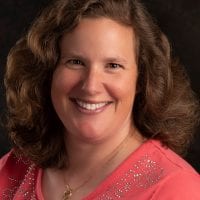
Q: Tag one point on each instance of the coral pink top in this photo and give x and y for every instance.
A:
(152, 172)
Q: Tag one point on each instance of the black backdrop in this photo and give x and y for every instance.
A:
(179, 20)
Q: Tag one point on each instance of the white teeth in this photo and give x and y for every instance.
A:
(90, 106)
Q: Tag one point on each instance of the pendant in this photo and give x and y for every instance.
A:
(67, 193)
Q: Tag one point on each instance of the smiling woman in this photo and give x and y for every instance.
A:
(95, 56)
(97, 108)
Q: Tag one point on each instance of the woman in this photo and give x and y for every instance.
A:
(97, 108)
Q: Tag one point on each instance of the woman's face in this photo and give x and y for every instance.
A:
(94, 84)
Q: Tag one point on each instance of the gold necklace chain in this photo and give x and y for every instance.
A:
(69, 191)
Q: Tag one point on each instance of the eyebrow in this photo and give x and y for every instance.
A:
(82, 57)
(72, 54)
(116, 59)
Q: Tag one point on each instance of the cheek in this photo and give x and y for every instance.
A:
(124, 89)
(63, 82)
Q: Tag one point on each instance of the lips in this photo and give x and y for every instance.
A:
(90, 106)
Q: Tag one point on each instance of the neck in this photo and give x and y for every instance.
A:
(90, 163)
(84, 157)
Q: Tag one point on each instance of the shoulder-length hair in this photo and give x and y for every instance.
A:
(165, 107)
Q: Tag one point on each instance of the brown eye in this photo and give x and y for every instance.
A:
(114, 66)
(75, 62)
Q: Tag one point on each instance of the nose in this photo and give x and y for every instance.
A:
(92, 81)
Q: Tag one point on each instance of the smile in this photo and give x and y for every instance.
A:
(89, 106)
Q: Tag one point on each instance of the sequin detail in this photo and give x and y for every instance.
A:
(142, 174)
(22, 189)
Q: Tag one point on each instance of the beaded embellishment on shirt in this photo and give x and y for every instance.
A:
(142, 174)
(24, 188)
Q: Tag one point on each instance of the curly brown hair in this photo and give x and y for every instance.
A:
(165, 107)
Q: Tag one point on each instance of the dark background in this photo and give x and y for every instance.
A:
(179, 20)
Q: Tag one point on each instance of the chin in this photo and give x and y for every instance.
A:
(91, 137)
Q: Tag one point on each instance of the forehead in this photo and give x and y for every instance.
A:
(101, 22)
(100, 30)
(100, 38)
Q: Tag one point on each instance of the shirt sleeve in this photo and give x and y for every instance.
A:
(12, 174)
(179, 186)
